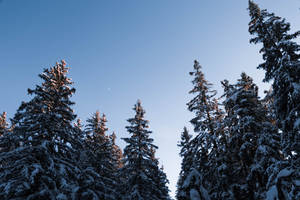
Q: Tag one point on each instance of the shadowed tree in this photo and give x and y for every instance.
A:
(253, 141)
(3, 124)
(44, 164)
(101, 152)
(281, 55)
(143, 178)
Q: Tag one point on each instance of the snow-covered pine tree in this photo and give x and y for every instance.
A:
(236, 167)
(202, 104)
(186, 163)
(8, 140)
(217, 156)
(281, 54)
(159, 177)
(223, 166)
(253, 146)
(3, 124)
(143, 179)
(117, 155)
(44, 163)
(204, 145)
(193, 185)
(101, 152)
(98, 141)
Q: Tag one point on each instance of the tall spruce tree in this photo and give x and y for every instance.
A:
(252, 144)
(204, 145)
(143, 178)
(117, 154)
(3, 124)
(8, 139)
(101, 152)
(43, 165)
(282, 65)
(186, 163)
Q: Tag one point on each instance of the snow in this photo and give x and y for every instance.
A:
(204, 193)
(61, 197)
(297, 123)
(194, 195)
(262, 149)
(284, 173)
(193, 174)
(272, 193)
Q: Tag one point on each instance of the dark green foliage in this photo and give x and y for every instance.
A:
(3, 124)
(100, 152)
(143, 178)
(282, 65)
(43, 161)
(281, 55)
(186, 164)
(253, 144)
(200, 153)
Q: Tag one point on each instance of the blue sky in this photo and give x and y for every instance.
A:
(120, 51)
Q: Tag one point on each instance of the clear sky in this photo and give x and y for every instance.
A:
(123, 50)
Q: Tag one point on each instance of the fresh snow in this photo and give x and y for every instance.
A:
(194, 195)
(272, 194)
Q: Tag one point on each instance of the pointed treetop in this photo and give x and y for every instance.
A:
(254, 9)
(97, 115)
(246, 82)
(139, 110)
(104, 118)
(97, 124)
(197, 68)
(3, 123)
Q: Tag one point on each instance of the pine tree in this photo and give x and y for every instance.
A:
(186, 164)
(7, 138)
(101, 152)
(193, 185)
(98, 141)
(204, 145)
(160, 178)
(3, 124)
(202, 104)
(44, 163)
(282, 65)
(252, 142)
(143, 178)
(117, 155)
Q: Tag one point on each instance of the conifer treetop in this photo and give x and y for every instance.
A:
(3, 123)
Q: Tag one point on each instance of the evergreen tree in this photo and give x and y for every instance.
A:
(3, 124)
(101, 156)
(160, 178)
(204, 145)
(202, 104)
(117, 155)
(143, 178)
(193, 186)
(44, 164)
(252, 142)
(282, 65)
(186, 164)
(98, 141)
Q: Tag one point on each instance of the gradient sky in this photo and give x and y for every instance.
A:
(123, 50)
